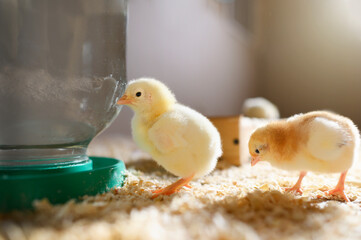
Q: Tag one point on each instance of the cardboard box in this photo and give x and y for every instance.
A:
(235, 132)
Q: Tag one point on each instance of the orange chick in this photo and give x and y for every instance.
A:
(318, 141)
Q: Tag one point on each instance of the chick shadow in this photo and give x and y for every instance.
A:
(274, 210)
(58, 217)
(258, 209)
(148, 166)
(222, 164)
(89, 208)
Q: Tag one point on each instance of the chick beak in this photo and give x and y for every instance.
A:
(255, 160)
(124, 100)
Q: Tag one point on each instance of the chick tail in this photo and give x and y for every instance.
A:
(328, 139)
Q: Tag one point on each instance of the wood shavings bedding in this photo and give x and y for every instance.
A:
(230, 203)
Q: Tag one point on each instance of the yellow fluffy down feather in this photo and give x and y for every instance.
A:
(177, 137)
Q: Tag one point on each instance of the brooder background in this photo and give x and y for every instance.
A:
(303, 55)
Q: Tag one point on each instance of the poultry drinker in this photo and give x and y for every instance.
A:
(62, 69)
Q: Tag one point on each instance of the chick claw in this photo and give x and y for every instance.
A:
(297, 187)
(338, 192)
(339, 189)
(173, 188)
(164, 191)
(294, 189)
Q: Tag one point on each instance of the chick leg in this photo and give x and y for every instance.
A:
(173, 188)
(297, 187)
(339, 189)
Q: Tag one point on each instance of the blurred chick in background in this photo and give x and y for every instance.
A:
(178, 138)
(317, 141)
(260, 108)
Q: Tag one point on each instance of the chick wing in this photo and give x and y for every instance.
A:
(167, 133)
(327, 139)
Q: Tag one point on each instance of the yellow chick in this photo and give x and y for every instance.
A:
(318, 141)
(177, 137)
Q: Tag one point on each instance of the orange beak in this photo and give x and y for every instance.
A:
(124, 100)
(255, 160)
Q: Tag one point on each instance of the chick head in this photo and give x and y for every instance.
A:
(258, 146)
(147, 96)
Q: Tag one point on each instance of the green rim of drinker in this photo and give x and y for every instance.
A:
(18, 189)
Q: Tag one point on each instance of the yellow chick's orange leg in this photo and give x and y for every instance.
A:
(173, 188)
(297, 187)
(339, 189)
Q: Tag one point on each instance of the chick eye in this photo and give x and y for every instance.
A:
(257, 151)
(138, 94)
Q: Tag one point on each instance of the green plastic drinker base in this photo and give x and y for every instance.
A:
(18, 189)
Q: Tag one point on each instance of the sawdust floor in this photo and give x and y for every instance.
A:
(230, 203)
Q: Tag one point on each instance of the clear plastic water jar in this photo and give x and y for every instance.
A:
(62, 67)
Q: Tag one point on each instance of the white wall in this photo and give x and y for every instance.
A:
(196, 48)
(309, 55)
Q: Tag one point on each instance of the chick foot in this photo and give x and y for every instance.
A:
(339, 189)
(297, 187)
(338, 192)
(173, 188)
